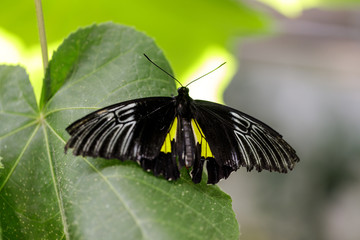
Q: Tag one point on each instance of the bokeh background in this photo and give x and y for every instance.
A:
(294, 64)
(304, 81)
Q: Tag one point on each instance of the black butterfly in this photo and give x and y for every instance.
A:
(164, 134)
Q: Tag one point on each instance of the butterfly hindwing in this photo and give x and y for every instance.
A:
(239, 140)
(132, 130)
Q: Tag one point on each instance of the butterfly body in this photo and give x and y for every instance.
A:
(185, 140)
(164, 134)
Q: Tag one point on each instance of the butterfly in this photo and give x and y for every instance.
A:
(164, 134)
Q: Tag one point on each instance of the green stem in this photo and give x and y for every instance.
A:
(42, 35)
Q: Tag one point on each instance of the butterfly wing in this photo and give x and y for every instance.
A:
(239, 140)
(132, 130)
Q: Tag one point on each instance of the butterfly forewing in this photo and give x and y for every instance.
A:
(132, 130)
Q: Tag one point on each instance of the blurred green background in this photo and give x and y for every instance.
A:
(293, 64)
(190, 33)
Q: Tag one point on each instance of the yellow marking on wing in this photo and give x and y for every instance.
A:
(200, 138)
(166, 147)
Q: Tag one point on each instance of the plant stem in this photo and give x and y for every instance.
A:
(42, 35)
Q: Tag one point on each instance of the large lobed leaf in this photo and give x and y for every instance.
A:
(45, 194)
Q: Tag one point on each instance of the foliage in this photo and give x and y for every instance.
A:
(45, 194)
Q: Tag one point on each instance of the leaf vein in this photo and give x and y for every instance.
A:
(18, 129)
(18, 158)
(56, 186)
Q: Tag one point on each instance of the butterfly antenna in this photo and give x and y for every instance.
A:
(205, 74)
(162, 69)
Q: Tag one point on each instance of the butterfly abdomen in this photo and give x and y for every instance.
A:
(185, 143)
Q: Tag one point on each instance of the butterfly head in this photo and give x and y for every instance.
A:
(183, 91)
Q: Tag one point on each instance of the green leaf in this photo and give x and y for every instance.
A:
(45, 194)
